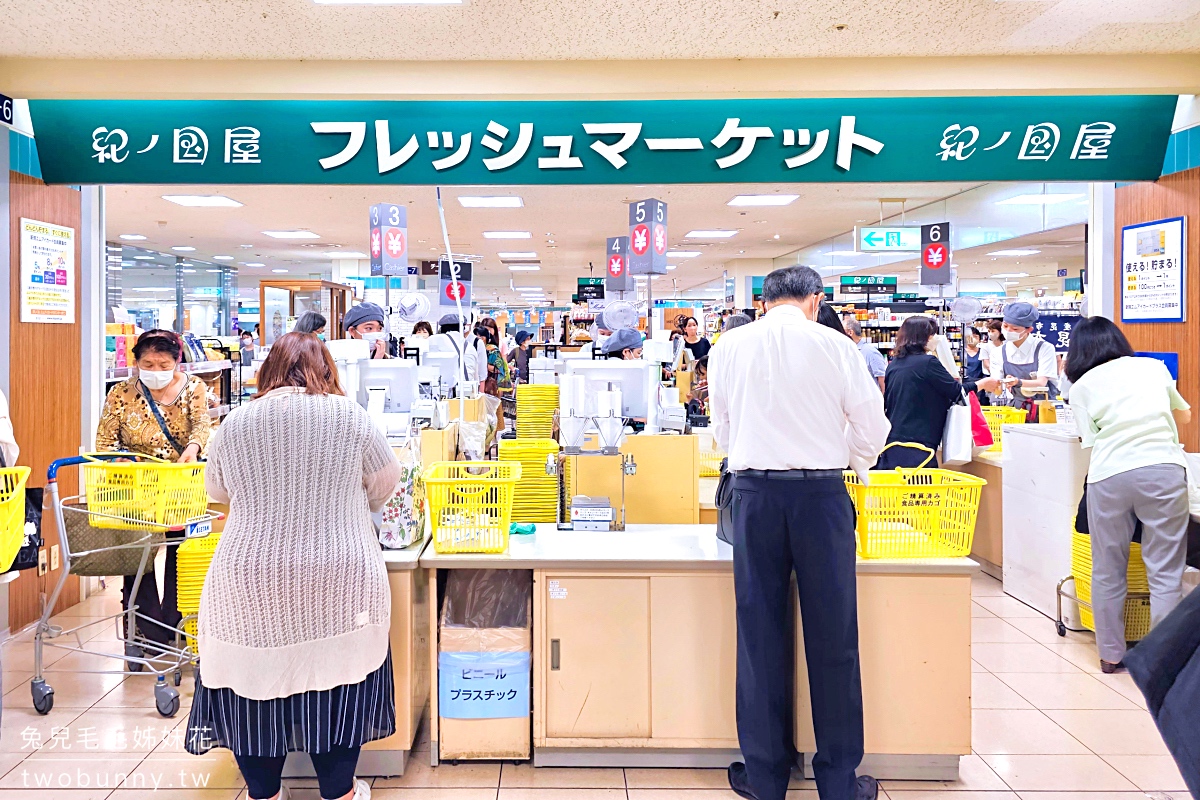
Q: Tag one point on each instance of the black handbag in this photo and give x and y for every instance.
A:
(27, 556)
(724, 503)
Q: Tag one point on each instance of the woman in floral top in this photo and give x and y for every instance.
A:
(129, 424)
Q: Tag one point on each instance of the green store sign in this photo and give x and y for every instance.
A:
(1084, 138)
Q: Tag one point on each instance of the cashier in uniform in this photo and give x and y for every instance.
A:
(600, 335)
(625, 344)
(1026, 361)
(365, 321)
(470, 349)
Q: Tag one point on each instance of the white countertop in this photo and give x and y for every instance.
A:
(408, 558)
(646, 548)
(1060, 433)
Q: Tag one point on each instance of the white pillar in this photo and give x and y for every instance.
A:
(92, 316)
(1101, 259)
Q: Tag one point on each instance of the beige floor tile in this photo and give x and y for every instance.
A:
(676, 779)
(25, 730)
(70, 691)
(419, 774)
(16, 680)
(1009, 657)
(988, 691)
(1122, 682)
(10, 760)
(1082, 655)
(19, 657)
(381, 792)
(68, 770)
(58, 794)
(1027, 773)
(977, 667)
(129, 730)
(523, 793)
(995, 732)
(983, 585)
(137, 691)
(1041, 629)
(175, 794)
(1084, 796)
(1150, 773)
(526, 776)
(979, 611)
(994, 629)
(940, 794)
(215, 770)
(1065, 691)
(1005, 606)
(681, 793)
(1124, 733)
(973, 775)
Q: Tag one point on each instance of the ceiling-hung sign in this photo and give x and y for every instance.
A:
(880, 139)
(648, 237)
(617, 277)
(389, 239)
(879, 239)
(935, 254)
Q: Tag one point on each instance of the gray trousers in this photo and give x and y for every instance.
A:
(1157, 496)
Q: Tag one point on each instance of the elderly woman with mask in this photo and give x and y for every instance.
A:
(365, 321)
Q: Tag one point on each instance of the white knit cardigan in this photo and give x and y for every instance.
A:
(297, 597)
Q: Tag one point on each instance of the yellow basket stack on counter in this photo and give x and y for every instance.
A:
(147, 493)
(194, 558)
(710, 463)
(1137, 609)
(915, 513)
(998, 416)
(470, 504)
(536, 404)
(12, 513)
(535, 497)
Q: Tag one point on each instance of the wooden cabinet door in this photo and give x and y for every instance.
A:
(693, 657)
(598, 647)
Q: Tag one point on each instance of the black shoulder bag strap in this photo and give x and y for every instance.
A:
(162, 423)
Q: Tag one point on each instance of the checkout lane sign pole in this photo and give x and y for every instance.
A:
(935, 263)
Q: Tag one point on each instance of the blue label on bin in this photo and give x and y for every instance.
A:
(483, 685)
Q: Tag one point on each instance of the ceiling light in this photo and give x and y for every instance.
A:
(213, 270)
(132, 237)
(524, 267)
(183, 249)
(527, 254)
(254, 264)
(351, 254)
(843, 253)
(702, 234)
(1011, 275)
(245, 246)
(222, 258)
(389, 2)
(1038, 199)
(683, 253)
(291, 234)
(672, 266)
(776, 236)
(187, 271)
(201, 201)
(495, 201)
(528, 288)
(763, 200)
(1014, 252)
(279, 270)
(507, 235)
(144, 258)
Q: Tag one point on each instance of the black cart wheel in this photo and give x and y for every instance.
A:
(1061, 628)
(134, 651)
(178, 677)
(166, 699)
(43, 696)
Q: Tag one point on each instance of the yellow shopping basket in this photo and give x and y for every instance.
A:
(1137, 609)
(997, 416)
(12, 513)
(710, 463)
(194, 558)
(148, 492)
(915, 513)
(470, 504)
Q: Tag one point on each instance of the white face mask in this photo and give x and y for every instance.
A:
(1012, 336)
(372, 338)
(156, 379)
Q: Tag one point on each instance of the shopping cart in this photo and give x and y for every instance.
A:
(132, 505)
(1137, 598)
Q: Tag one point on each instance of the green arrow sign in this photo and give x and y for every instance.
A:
(888, 240)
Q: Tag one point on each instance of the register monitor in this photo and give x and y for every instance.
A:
(446, 365)
(631, 377)
(396, 378)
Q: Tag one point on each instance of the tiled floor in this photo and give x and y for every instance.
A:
(1047, 726)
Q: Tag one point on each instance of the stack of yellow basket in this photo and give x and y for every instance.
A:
(1137, 609)
(535, 498)
(536, 404)
(195, 556)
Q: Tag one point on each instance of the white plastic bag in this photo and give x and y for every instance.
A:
(958, 441)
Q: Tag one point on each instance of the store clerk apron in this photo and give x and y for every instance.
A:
(1025, 372)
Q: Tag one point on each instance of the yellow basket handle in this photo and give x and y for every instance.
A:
(915, 446)
(107, 457)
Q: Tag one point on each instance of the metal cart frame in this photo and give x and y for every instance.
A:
(139, 653)
(1059, 625)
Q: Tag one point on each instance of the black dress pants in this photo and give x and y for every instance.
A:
(806, 526)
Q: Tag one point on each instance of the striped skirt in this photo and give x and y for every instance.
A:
(311, 722)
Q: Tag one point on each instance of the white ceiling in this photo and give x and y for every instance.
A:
(568, 225)
(592, 29)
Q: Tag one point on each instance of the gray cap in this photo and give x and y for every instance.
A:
(601, 325)
(363, 312)
(1021, 314)
(623, 339)
(452, 319)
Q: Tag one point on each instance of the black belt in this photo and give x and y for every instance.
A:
(790, 474)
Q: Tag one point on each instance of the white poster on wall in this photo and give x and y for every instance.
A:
(1153, 271)
(47, 272)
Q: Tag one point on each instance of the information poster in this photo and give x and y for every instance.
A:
(1153, 270)
(47, 272)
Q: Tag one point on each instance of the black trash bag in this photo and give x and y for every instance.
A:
(488, 598)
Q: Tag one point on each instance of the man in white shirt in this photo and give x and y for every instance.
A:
(793, 407)
(469, 348)
(1026, 361)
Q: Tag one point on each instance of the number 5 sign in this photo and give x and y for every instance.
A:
(648, 237)
(935, 254)
(389, 239)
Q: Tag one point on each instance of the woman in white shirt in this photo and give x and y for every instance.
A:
(1128, 409)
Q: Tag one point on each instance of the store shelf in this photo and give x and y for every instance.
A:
(205, 367)
(218, 412)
